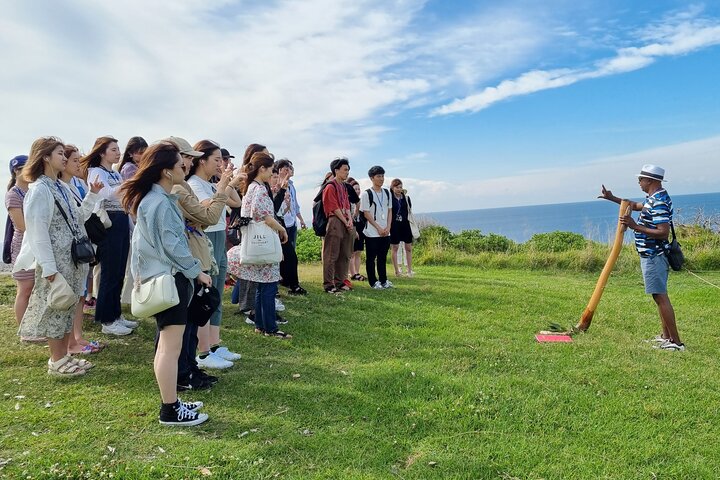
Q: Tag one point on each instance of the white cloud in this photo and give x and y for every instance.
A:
(688, 166)
(679, 36)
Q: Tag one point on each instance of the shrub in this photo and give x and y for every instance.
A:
(472, 241)
(556, 242)
(309, 246)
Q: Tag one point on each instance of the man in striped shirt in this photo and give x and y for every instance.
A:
(651, 241)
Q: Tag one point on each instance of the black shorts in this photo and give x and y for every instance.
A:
(400, 232)
(359, 243)
(178, 314)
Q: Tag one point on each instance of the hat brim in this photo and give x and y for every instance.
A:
(640, 175)
(193, 153)
(228, 156)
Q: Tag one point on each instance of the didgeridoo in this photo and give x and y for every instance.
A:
(587, 315)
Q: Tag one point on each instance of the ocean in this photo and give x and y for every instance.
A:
(596, 220)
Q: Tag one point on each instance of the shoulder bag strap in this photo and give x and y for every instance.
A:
(62, 212)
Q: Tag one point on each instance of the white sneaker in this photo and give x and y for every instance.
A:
(213, 361)
(249, 321)
(116, 328)
(279, 307)
(668, 345)
(378, 286)
(226, 354)
(127, 323)
(387, 284)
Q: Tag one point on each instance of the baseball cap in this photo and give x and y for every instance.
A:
(184, 147)
(225, 153)
(17, 162)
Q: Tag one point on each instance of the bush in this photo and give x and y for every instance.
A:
(309, 246)
(556, 242)
(472, 241)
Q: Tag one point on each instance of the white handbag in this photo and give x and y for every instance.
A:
(260, 245)
(154, 296)
(414, 227)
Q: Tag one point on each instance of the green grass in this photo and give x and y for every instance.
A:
(442, 369)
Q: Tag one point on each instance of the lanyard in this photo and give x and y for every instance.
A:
(112, 174)
(342, 194)
(380, 198)
(65, 197)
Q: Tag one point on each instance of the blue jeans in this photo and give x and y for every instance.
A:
(265, 307)
(220, 254)
(292, 235)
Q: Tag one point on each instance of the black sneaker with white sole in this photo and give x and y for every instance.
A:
(280, 320)
(191, 405)
(178, 415)
(203, 375)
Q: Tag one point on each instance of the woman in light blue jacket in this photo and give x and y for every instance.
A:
(159, 247)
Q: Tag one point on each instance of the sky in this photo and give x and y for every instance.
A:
(473, 104)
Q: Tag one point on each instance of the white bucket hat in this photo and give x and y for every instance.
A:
(61, 296)
(653, 172)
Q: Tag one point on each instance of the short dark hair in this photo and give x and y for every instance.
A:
(337, 163)
(376, 170)
(282, 163)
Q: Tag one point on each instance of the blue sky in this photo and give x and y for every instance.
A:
(473, 104)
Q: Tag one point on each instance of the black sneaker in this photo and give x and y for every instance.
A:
(178, 415)
(191, 405)
(184, 386)
(200, 383)
(297, 290)
(212, 379)
(280, 320)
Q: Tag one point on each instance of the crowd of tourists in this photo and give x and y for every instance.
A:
(166, 227)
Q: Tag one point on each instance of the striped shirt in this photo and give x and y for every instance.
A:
(656, 210)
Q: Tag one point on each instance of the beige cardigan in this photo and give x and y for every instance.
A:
(199, 217)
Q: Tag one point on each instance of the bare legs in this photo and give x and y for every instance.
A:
(667, 317)
(59, 347)
(22, 297)
(408, 259)
(77, 342)
(166, 361)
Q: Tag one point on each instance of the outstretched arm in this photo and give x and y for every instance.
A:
(608, 195)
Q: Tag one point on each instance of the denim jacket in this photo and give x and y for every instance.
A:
(159, 244)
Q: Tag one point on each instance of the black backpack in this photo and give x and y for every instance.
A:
(320, 220)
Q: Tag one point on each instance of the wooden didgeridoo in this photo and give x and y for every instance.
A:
(587, 315)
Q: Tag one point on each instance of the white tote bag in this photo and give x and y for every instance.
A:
(154, 296)
(260, 245)
(414, 227)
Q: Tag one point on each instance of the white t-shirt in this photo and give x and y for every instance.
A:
(381, 209)
(204, 190)
(112, 181)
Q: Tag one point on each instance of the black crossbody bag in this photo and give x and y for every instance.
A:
(82, 250)
(675, 255)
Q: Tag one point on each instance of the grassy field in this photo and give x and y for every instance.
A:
(438, 378)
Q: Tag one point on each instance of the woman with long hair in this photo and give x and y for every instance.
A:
(160, 247)
(198, 177)
(112, 251)
(359, 241)
(400, 229)
(53, 221)
(85, 198)
(131, 156)
(258, 207)
(24, 279)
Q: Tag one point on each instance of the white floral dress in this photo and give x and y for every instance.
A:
(39, 320)
(257, 205)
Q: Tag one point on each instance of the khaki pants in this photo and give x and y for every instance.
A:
(337, 250)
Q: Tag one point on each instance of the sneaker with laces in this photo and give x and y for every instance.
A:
(378, 286)
(279, 307)
(672, 346)
(178, 415)
(191, 405)
(127, 323)
(213, 361)
(116, 328)
(226, 354)
(387, 284)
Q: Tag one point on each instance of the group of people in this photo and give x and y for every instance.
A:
(170, 208)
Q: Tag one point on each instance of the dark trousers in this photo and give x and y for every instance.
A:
(265, 318)
(376, 253)
(243, 294)
(187, 365)
(292, 235)
(112, 253)
(289, 266)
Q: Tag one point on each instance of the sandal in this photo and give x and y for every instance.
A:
(297, 290)
(358, 278)
(334, 290)
(82, 363)
(279, 334)
(87, 349)
(64, 368)
(98, 345)
(259, 330)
